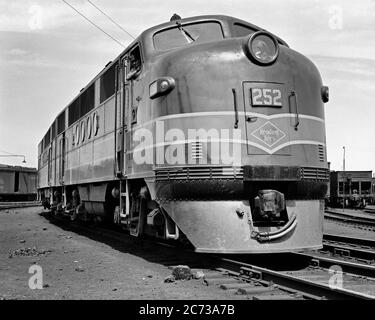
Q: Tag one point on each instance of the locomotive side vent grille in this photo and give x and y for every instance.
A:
(314, 174)
(227, 173)
(321, 153)
(198, 173)
(196, 150)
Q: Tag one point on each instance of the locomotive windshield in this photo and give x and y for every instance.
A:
(241, 30)
(179, 35)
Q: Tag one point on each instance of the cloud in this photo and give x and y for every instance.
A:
(17, 52)
(342, 67)
(21, 57)
(350, 111)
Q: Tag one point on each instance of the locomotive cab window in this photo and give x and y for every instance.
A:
(135, 63)
(183, 35)
(241, 30)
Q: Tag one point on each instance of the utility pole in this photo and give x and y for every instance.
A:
(343, 181)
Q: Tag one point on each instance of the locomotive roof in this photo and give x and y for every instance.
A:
(145, 38)
(223, 18)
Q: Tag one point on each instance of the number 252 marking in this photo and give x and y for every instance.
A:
(267, 97)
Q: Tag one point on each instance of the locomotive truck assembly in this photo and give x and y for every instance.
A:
(207, 129)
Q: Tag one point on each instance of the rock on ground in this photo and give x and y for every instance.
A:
(182, 273)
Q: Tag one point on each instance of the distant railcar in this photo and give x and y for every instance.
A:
(17, 183)
(207, 129)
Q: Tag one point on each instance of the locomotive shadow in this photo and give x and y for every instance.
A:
(159, 252)
(167, 254)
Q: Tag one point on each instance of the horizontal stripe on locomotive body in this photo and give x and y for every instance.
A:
(178, 190)
(311, 130)
(225, 113)
(229, 141)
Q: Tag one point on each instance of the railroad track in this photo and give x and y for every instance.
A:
(360, 222)
(20, 204)
(362, 250)
(289, 276)
(316, 280)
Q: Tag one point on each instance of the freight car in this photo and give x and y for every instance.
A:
(17, 183)
(207, 129)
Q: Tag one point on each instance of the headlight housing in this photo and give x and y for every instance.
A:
(262, 48)
(161, 87)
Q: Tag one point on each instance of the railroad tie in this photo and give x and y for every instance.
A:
(227, 286)
(254, 290)
(213, 274)
(275, 297)
(219, 281)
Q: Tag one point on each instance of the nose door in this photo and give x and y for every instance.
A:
(268, 118)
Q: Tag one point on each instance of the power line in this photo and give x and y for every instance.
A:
(81, 14)
(110, 18)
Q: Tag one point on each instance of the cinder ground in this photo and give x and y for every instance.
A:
(79, 267)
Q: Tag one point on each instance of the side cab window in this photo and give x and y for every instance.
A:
(135, 63)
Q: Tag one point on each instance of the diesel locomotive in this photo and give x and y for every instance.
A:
(207, 129)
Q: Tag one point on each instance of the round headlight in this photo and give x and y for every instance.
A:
(262, 47)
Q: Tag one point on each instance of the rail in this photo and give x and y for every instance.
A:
(21, 204)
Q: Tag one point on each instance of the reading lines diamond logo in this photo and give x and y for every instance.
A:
(269, 134)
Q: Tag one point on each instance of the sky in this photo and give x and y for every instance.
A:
(48, 53)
